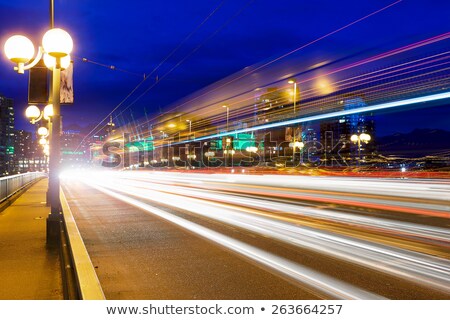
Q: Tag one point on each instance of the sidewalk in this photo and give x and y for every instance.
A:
(28, 270)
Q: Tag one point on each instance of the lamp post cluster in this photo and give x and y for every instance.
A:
(358, 139)
(56, 46)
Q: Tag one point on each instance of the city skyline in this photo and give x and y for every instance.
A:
(216, 27)
(249, 158)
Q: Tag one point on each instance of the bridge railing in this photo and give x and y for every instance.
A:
(11, 184)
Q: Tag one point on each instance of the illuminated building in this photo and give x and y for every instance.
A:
(6, 135)
(335, 134)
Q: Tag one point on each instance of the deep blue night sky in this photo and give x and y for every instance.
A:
(138, 35)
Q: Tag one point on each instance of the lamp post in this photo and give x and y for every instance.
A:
(34, 114)
(293, 81)
(190, 128)
(294, 145)
(208, 155)
(251, 150)
(294, 98)
(228, 114)
(230, 152)
(57, 44)
(357, 139)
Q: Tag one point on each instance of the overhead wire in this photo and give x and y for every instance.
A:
(258, 68)
(156, 68)
(280, 57)
(190, 54)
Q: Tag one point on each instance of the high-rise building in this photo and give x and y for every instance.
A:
(23, 151)
(335, 134)
(73, 150)
(311, 149)
(6, 135)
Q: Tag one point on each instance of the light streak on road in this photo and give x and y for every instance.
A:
(327, 285)
(412, 251)
(411, 229)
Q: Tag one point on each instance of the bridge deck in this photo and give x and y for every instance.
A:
(28, 269)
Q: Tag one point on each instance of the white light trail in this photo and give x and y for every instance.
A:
(323, 283)
(377, 107)
(416, 267)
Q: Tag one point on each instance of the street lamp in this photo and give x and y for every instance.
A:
(230, 152)
(58, 44)
(50, 62)
(293, 81)
(34, 114)
(294, 145)
(251, 150)
(43, 132)
(19, 49)
(208, 155)
(46, 149)
(357, 139)
(297, 144)
(42, 141)
(190, 127)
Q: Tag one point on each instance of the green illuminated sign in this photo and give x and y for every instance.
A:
(146, 145)
(10, 150)
(240, 142)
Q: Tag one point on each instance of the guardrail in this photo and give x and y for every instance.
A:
(9, 185)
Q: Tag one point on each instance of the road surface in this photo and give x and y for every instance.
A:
(168, 235)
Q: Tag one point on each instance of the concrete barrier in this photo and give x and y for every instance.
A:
(88, 285)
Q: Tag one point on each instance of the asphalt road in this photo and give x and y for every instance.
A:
(210, 236)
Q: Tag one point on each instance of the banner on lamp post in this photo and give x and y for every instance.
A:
(66, 91)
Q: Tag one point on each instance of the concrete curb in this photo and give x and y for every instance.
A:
(88, 284)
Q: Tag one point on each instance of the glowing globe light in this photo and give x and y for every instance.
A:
(48, 111)
(42, 141)
(42, 131)
(50, 61)
(32, 112)
(57, 43)
(365, 137)
(299, 144)
(19, 49)
(354, 138)
(296, 144)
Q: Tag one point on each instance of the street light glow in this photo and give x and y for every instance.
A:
(48, 111)
(19, 49)
(50, 61)
(57, 43)
(43, 131)
(32, 112)
(365, 137)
